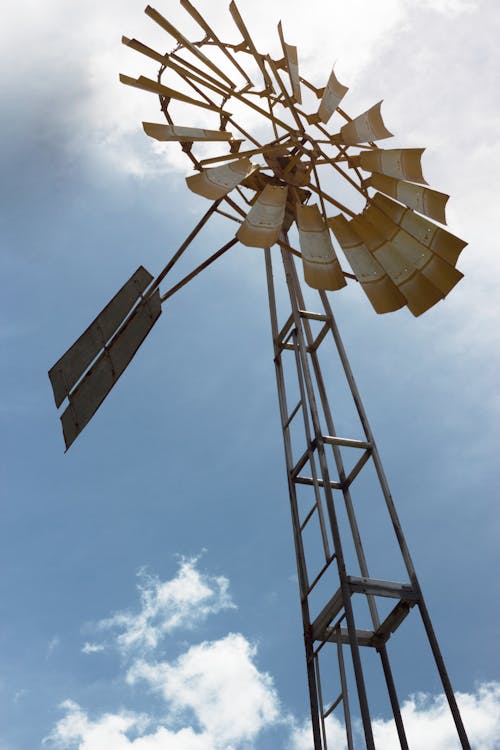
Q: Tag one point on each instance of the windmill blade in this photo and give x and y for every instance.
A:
(89, 394)
(440, 273)
(216, 182)
(250, 45)
(292, 65)
(419, 292)
(146, 84)
(381, 291)
(321, 265)
(193, 12)
(365, 128)
(181, 134)
(401, 163)
(441, 242)
(145, 50)
(170, 29)
(262, 226)
(332, 96)
(424, 200)
(71, 366)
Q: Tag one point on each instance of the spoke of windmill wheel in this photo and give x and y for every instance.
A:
(288, 101)
(292, 64)
(170, 29)
(194, 13)
(250, 45)
(249, 152)
(146, 84)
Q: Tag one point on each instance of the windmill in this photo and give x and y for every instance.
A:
(398, 255)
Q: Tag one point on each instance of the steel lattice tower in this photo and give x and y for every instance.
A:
(398, 257)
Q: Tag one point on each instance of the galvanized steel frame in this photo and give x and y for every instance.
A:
(336, 622)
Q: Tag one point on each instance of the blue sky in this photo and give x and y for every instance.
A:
(168, 518)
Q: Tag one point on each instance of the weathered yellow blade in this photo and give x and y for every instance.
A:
(147, 84)
(332, 96)
(401, 163)
(365, 128)
(445, 244)
(419, 292)
(184, 135)
(321, 265)
(262, 226)
(216, 182)
(292, 65)
(379, 288)
(440, 273)
(170, 29)
(421, 199)
(250, 45)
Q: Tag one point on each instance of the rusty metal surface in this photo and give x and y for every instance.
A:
(99, 380)
(71, 366)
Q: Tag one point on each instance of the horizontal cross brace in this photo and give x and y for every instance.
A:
(334, 440)
(374, 638)
(370, 586)
(319, 482)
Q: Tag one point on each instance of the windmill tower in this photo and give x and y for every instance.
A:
(274, 192)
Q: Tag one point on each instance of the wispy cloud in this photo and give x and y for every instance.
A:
(92, 648)
(181, 602)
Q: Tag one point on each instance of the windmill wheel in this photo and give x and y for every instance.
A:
(396, 251)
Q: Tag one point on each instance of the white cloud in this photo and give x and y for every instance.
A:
(92, 648)
(219, 684)
(181, 602)
(54, 643)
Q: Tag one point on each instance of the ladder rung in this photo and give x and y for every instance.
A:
(334, 440)
(313, 316)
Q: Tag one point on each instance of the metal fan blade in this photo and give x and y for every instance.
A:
(441, 242)
(332, 96)
(424, 200)
(146, 84)
(250, 45)
(381, 291)
(321, 265)
(216, 182)
(365, 128)
(292, 65)
(419, 292)
(262, 226)
(184, 135)
(401, 163)
(440, 273)
(170, 29)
